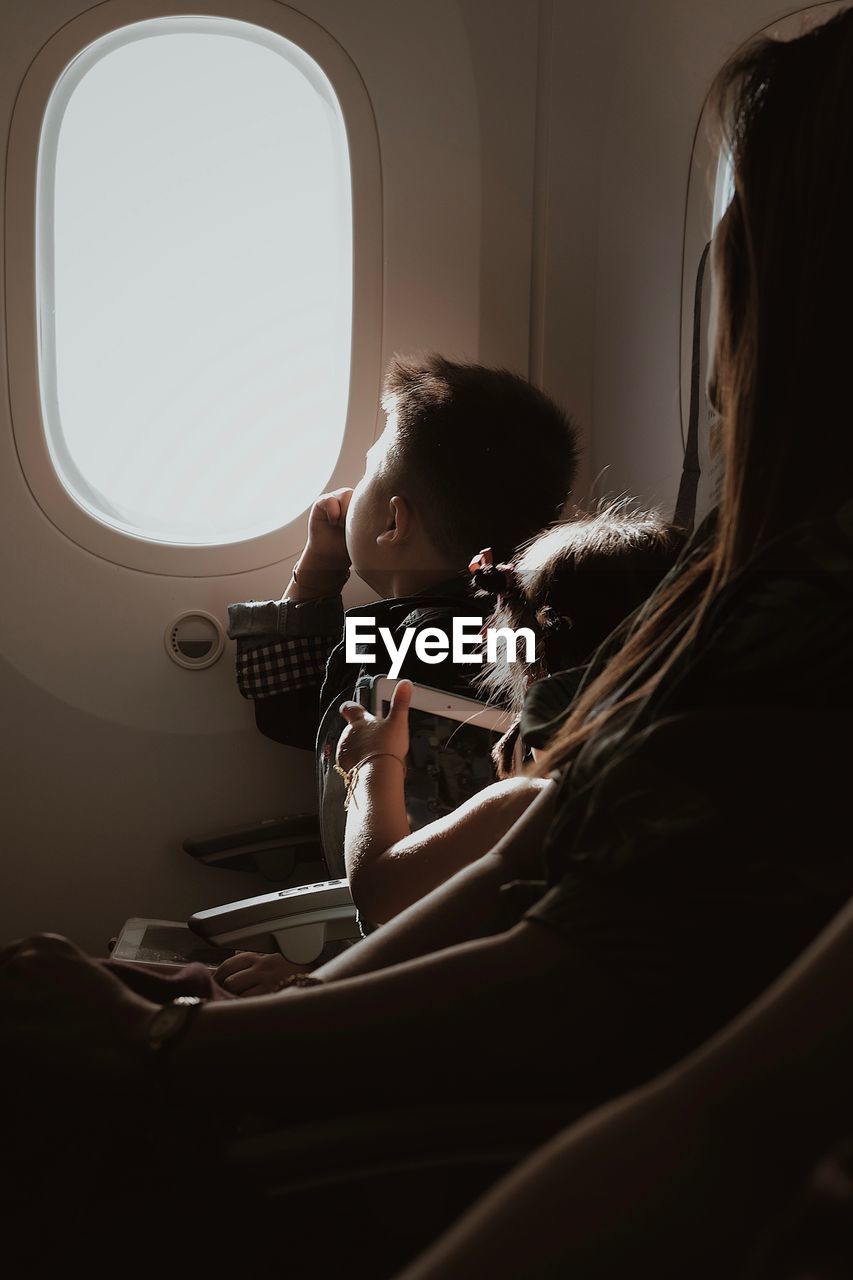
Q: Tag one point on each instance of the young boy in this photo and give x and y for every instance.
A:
(470, 457)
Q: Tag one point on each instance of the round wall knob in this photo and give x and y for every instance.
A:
(194, 639)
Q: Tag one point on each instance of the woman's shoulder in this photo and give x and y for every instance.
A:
(815, 553)
(788, 615)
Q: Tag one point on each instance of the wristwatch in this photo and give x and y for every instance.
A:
(170, 1023)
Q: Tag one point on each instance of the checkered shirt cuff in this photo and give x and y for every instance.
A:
(294, 662)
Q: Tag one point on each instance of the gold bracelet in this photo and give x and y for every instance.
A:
(350, 776)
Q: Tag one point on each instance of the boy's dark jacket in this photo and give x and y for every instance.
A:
(309, 716)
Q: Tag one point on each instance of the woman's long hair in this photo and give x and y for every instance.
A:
(783, 270)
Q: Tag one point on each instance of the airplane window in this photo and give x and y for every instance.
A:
(194, 278)
(724, 188)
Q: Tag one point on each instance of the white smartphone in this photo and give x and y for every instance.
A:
(450, 745)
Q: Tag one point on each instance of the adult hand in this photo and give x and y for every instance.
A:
(55, 1000)
(367, 734)
(249, 973)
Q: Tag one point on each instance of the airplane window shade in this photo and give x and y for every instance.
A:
(194, 279)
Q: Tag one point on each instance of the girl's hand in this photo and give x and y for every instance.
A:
(367, 734)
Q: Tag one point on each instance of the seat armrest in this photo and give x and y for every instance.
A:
(298, 922)
(270, 846)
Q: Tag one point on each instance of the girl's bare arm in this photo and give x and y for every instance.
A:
(389, 867)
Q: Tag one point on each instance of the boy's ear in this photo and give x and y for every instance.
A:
(399, 522)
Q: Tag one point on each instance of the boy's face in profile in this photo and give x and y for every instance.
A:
(369, 513)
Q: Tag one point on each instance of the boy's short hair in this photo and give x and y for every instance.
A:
(572, 586)
(486, 458)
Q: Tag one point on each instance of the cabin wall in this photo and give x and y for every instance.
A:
(534, 169)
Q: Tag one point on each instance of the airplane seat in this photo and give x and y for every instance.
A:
(299, 920)
(303, 921)
(272, 846)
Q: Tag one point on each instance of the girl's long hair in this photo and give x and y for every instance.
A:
(783, 270)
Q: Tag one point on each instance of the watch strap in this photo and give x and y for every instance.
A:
(170, 1024)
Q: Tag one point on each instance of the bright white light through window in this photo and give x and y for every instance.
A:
(724, 188)
(194, 279)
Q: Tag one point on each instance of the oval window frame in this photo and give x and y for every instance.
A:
(21, 244)
(704, 195)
